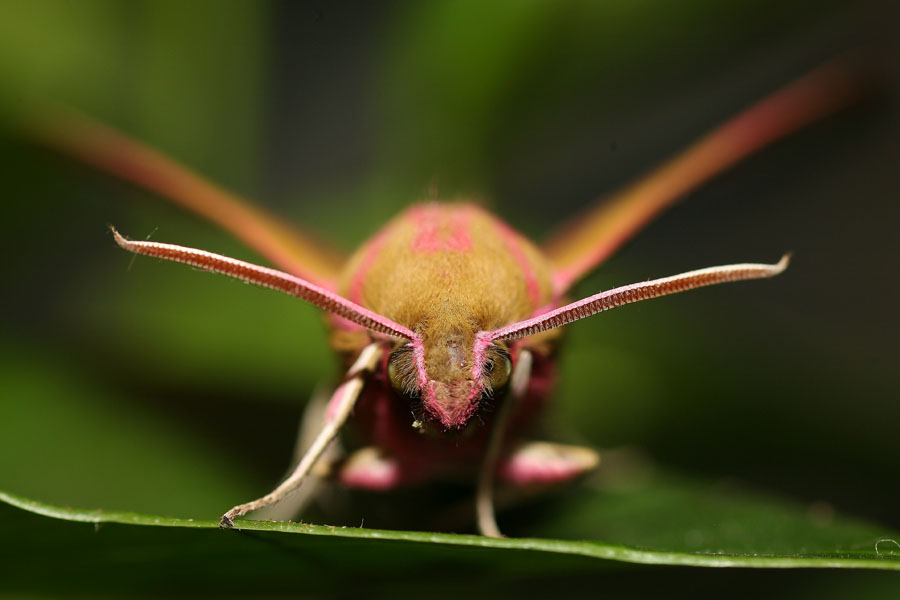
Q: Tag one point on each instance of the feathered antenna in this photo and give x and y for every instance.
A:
(634, 293)
(269, 278)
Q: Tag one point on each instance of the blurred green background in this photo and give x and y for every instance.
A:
(144, 386)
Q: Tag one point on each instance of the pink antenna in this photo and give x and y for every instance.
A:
(269, 278)
(635, 293)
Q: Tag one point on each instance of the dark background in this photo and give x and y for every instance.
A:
(149, 387)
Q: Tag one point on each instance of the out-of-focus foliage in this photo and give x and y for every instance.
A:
(148, 387)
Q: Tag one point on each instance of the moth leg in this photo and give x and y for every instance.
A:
(370, 469)
(339, 408)
(308, 428)
(484, 498)
(546, 463)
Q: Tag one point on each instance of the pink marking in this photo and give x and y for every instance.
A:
(428, 231)
(359, 278)
(456, 413)
(440, 399)
(511, 239)
(335, 402)
(479, 349)
(419, 355)
(377, 474)
(452, 404)
(459, 231)
(525, 469)
(427, 238)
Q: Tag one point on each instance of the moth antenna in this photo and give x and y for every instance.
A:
(269, 278)
(635, 293)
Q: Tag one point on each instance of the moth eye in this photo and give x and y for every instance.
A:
(498, 370)
(400, 371)
(394, 375)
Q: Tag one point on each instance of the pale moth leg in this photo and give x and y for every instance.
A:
(546, 463)
(339, 408)
(484, 498)
(310, 423)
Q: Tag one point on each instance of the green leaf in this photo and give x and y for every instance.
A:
(662, 521)
(72, 439)
(117, 454)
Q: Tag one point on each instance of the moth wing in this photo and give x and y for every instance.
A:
(588, 240)
(109, 150)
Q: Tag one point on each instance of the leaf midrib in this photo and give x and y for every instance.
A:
(858, 559)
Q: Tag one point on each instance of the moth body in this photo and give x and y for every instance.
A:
(446, 272)
(447, 319)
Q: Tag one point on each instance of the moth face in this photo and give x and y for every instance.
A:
(450, 377)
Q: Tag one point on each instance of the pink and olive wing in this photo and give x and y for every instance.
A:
(591, 238)
(109, 150)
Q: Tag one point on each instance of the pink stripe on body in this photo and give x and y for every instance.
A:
(511, 239)
(359, 278)
(429, 237)
(336, 398)
(421, 371)
(459, 239)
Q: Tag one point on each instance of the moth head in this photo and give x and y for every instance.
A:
(449, 377)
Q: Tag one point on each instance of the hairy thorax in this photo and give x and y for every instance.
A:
(447, 272)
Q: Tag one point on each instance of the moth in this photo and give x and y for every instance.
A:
(447, 319)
